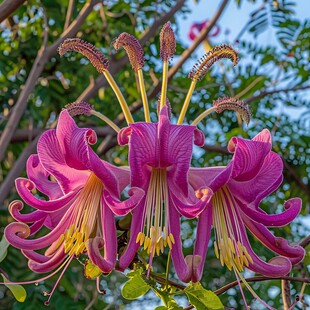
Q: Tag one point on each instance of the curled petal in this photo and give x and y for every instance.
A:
(267, 180)
(24, 188)
(277, 267)
(96, 257)
(124, 207)
(50, 264)
(199, 137)
(188, 209)
(277, 244)
(37, 174)
(123, 136)
(16, 234)
(16, 206)
(36, 226)
(292, 209)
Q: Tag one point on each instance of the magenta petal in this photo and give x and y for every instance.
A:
(277, 267)
(16, 234)
(142, 152)
(53, 262)
(191, 210)
(132, 247)
(204, 227)
(16, 206)
(109, 241)
(267, 180)
(277, 244)
(124, 207)
(53, 160)
(24, 188)
(38, 175)
(248, 158)
(180, 265)
(292, 209)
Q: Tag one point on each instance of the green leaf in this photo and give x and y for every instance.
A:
(135, 288)
(202, 299)
(3, 248)
(17, 290)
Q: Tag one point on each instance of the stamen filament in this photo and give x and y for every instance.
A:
(187, 101)
(202, 116)
(144, 96)
(106, 119)
(119, 96)
(164, 85)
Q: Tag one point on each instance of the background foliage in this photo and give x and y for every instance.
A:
(272, 79)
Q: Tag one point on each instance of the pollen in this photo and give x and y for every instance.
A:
(167, 42)
(204, 64)
(92, 53)
(228, 245)
(79, 108)
(133, 49)
(228, 103)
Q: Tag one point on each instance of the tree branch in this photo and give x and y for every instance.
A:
(7, 7)
(262, 94)
(42, 57)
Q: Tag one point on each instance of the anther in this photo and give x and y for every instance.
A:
(92, 53)
(79, 108)
(133, 49)
(205, 62)
(233, 104)
(167, 42)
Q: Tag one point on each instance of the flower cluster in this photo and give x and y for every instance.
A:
(83, 193)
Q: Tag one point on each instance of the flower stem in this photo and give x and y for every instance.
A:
(144, 96)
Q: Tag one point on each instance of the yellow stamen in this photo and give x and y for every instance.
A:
(119, 96)
(106, 119)
(202, 116)
(144, 96)
(187, 101)
(228, 245)
(164, 85)
(156, 217)
(85, 215)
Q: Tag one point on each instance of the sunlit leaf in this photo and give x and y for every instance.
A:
(3, 248)
(17, 290)
(202, 299)
(135, 288)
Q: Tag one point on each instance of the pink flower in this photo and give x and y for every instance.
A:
(159, 158)
(253, 173)
(83, 196)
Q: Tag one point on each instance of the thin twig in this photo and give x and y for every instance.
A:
(69, 14)
(263, 94)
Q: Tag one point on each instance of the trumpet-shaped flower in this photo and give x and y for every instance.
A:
(253, 173)
(82, 197)
(159, 158)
